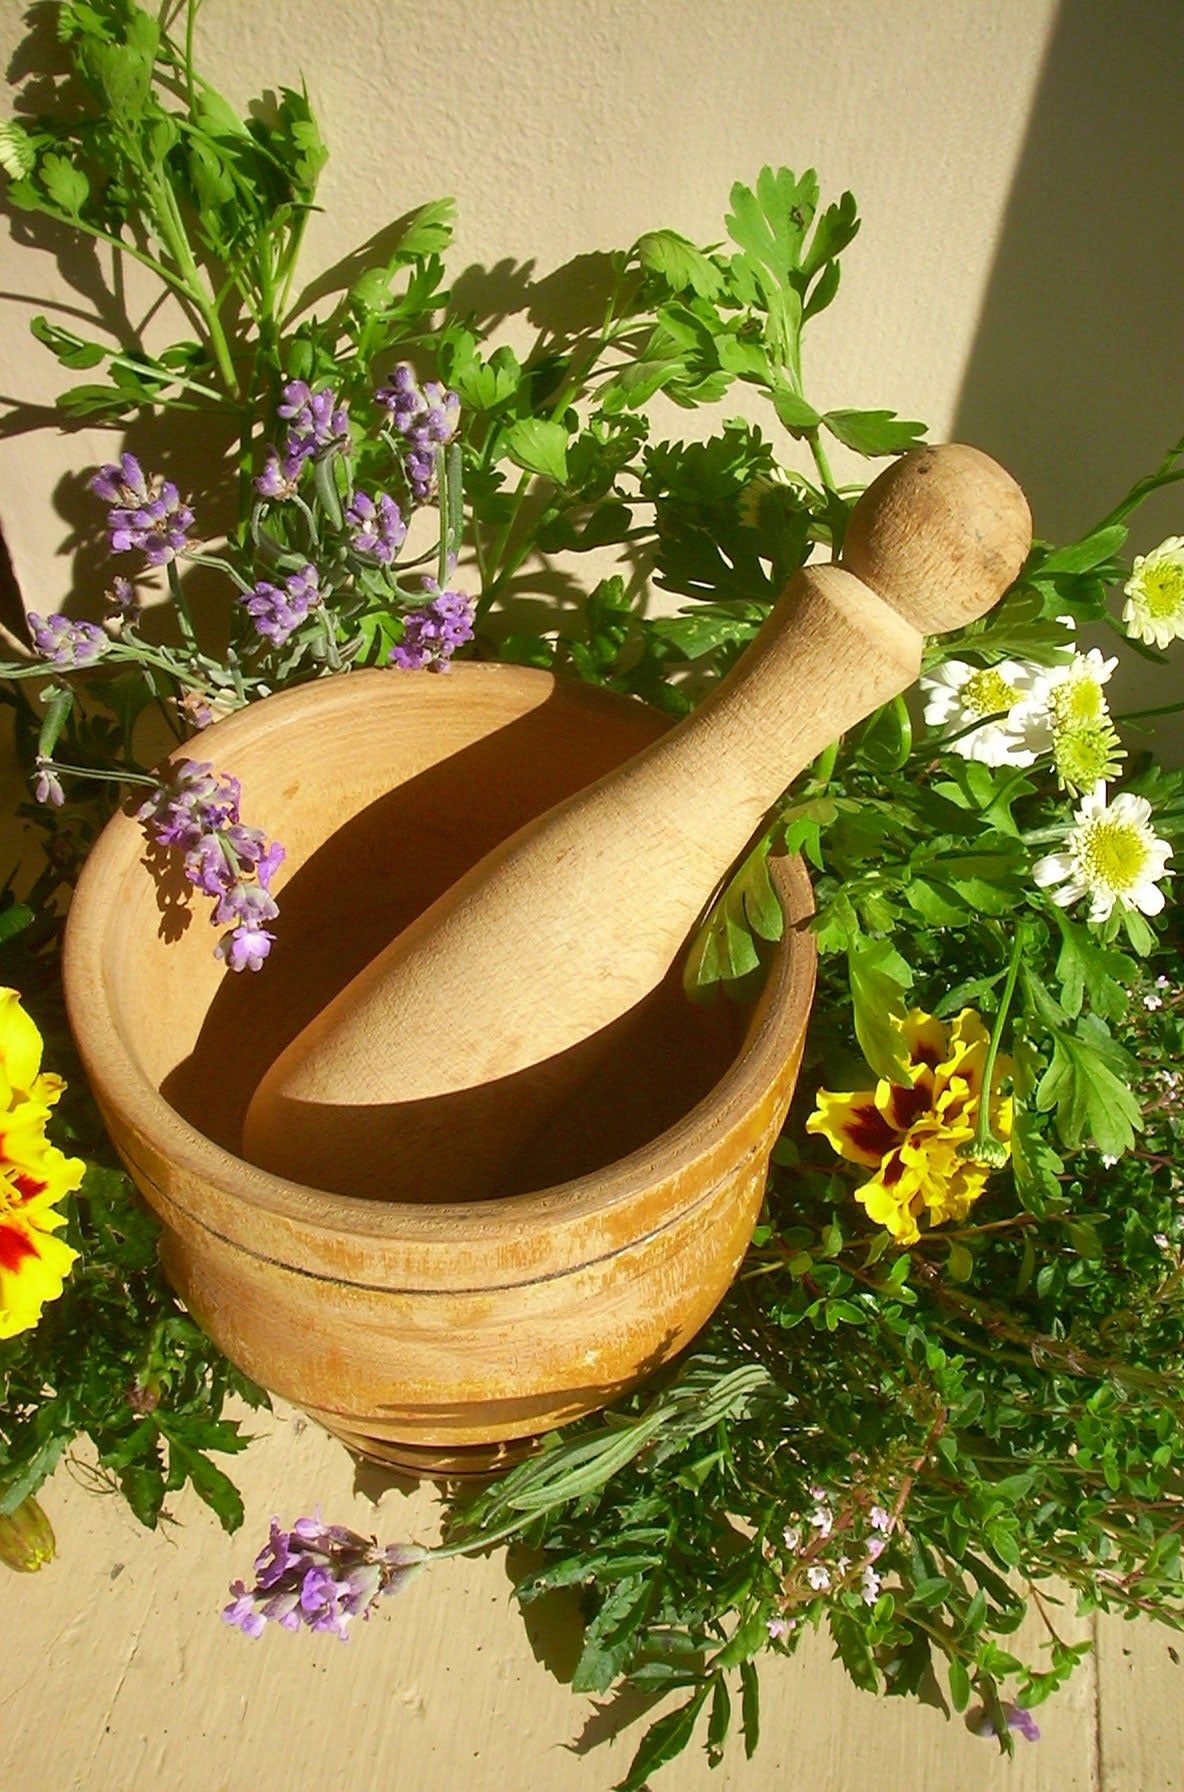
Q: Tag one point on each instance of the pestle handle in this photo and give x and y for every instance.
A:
(430, 1072)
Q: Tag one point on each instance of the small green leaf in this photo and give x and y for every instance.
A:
(662, 1742)
(1081, 556)
(67, 186)
(13, 920)
(718, 1721)
(539, 446)
(1086, 1084)
(873, 432)
(679, 262)
(794, 412)
(959, 1683)
(72, 351)
(960, 1262)
(429, 229)
(879, 976)
(209, 1483)
(695, 633)
(744, 1642)
(750, 1707)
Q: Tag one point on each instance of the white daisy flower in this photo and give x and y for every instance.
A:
(958, 695)
(1154, 610)
(1111, 855)
(1067, 714)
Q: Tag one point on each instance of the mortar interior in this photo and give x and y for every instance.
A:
(383, 799)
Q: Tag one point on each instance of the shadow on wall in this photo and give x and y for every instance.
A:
(1076, 380)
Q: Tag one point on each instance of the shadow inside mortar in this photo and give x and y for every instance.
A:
(358, 891)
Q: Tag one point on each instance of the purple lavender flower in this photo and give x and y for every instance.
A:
(426, 417)
(433, 631)
(1017, 1719)
(280, 475)
(318, 1575)
(244, 948)
(65, 642)
(376, 526)
(318, 423)
(123, 484)
(47, 786)
(278, 610)
(197, 812)
(123, 599)
(199, 708)
(147, 514)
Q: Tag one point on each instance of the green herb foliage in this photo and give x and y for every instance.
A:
(904, 1445)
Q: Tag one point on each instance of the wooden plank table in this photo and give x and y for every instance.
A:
(121, 1678)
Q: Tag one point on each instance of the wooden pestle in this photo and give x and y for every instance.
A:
(435, 1066)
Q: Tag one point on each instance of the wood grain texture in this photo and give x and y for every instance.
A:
(126, 1680)
(438, 1064)
(452, 1325)
(1140, 1671)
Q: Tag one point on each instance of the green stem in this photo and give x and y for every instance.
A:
(1161, 709)
(985, 1148)
(947, 740)
(190, 20)
(97, 777)
(172, 228)
(181, 604)
(224, 566)
(820, 459)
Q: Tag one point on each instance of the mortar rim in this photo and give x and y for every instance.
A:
(121, 1083)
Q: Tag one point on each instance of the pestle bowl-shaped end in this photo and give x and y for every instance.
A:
(939, 536)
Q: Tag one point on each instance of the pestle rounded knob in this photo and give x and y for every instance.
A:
(939, 535)
(427, 1077)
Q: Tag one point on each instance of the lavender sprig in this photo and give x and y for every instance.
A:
(197, 812)
(427, 417)
(66, 643)
(277, 611)
(376, 526)
(146, 513)
(433, 631)
(320, 1576)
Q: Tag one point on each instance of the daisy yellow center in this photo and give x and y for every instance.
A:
(1162, 588)
(1082, 755)
(1078, 703)
(1113, 854)
(987, 693)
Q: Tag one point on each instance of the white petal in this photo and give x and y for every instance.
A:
(1129, 807)
(1052, 869)
(1070, 894)
(1149, 897)
(1099, 668)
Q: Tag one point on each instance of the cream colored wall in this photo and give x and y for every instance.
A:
(563, 126)
(1019, 279)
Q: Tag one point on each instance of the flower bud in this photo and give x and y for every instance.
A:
(26, 1538)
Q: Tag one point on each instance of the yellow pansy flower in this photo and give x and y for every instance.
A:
(34, 1175)
(911, 1134)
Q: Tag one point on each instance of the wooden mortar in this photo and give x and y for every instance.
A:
(422, 1334)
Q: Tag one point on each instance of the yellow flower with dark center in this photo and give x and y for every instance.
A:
(913, 1134)
(34, 1176)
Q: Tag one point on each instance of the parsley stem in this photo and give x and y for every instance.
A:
(181, 604)
(985, 1147)
(820, 459)
(122, 776)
